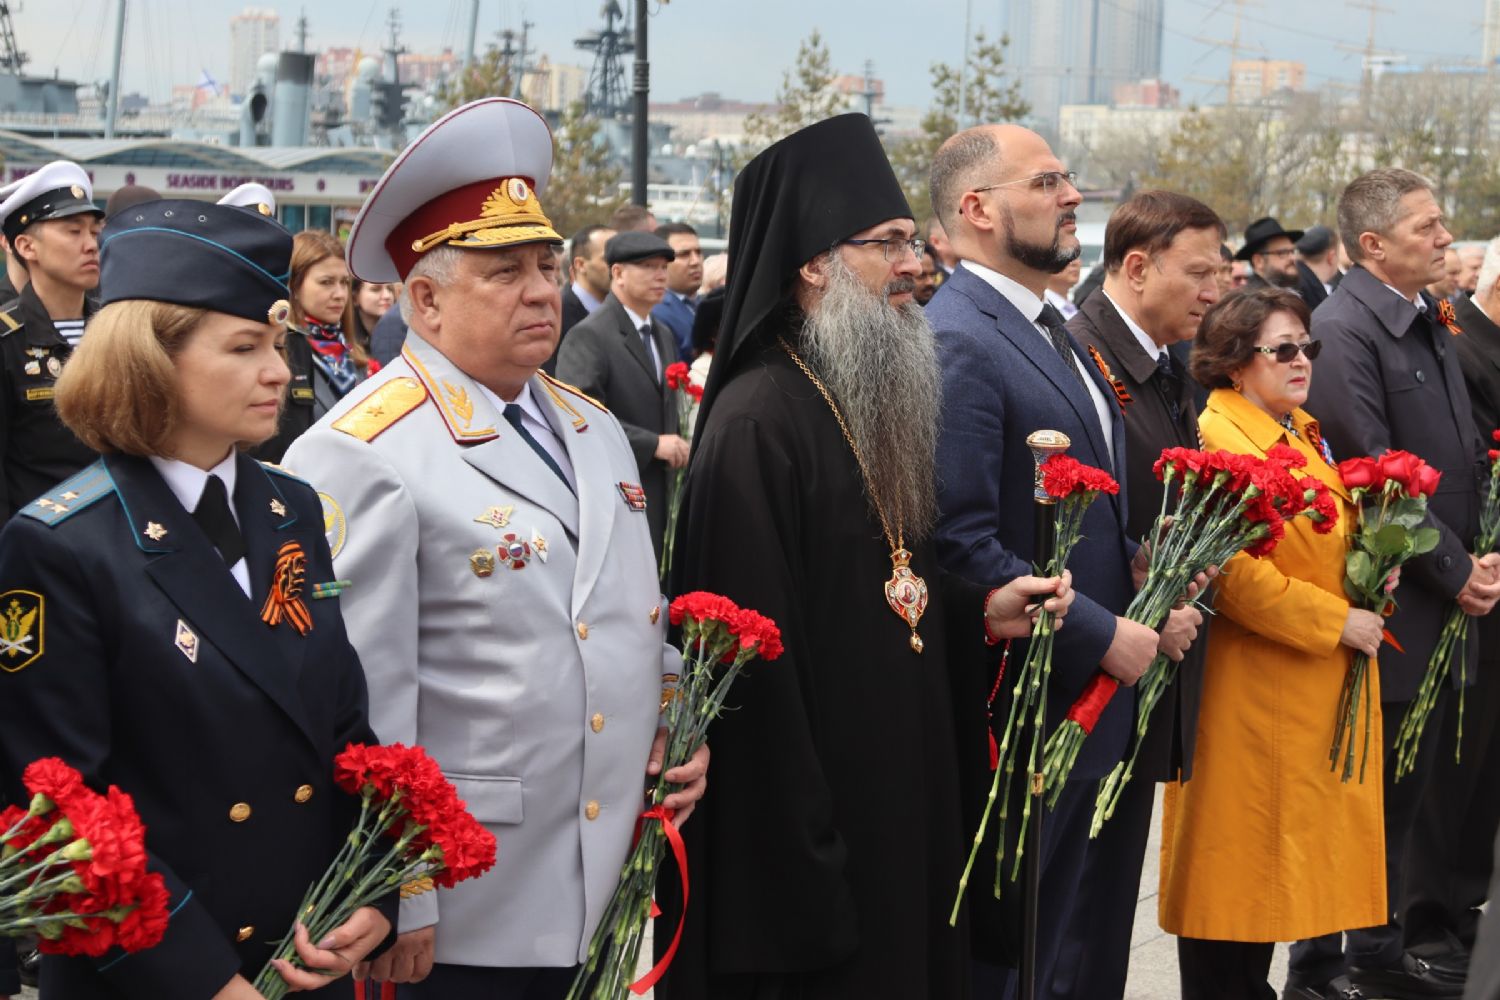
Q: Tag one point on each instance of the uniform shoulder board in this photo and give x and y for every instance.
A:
(282, 470)
(378, 411)
(573, 389)
(71, 495)
(8, 322)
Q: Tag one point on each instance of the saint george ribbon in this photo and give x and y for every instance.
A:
(285, 599)
(679, 850)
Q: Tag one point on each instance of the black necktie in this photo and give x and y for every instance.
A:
(217, 521)
(1167, 380)
(513, 417)
(1052, 320)
(646, 343)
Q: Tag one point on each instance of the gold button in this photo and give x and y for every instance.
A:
(583, 630)
(655, 614)
(239, 812)
(597, 722)
(245, 933)
(303, 793)
(591, 811)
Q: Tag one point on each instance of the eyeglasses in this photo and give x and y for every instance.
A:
(1283, 252)
(892, 249)
(1045, 183)
(1286, 353)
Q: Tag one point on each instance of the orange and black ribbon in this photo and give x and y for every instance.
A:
(1448, 317)
(285, 599)
(1122, 395)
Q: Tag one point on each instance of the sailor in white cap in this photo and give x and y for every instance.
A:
(253, 196)
(502, 585)
(51, 225)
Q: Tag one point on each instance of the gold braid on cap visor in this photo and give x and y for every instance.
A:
(510, 215)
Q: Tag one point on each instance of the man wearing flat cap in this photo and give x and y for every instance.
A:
(830, 850)
(1271, 253)
(619, 355)
(52, 227)
(1317, 265)
(501, 586)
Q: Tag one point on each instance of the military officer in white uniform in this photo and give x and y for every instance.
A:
(500, 582)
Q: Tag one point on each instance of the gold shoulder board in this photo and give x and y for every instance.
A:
(382, 408)
(10, 323)
(573, 389)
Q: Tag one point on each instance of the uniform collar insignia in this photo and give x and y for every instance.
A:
(468, 415)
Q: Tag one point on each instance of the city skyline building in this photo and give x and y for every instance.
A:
(253, 32)
(1078, 51)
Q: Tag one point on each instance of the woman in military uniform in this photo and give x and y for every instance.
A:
(325, 358)
(169, 635)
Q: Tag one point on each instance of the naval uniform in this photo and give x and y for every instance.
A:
(38, 451)
(133, 653)
(507, 613)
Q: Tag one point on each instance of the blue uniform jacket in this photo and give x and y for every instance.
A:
(145, 666)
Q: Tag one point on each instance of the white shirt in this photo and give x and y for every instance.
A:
(638, 322)
(1029, 305)
(586, 297)
(1415, 300)
(186, 483)
(1151, 347)
(1060, 303)
(535, 422)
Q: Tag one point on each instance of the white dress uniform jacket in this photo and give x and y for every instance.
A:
(513, 629)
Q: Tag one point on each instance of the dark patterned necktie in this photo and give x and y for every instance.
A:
(1171, 385)
(650, 355)
(1052, 321)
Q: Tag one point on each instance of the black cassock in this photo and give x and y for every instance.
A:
(828, 847)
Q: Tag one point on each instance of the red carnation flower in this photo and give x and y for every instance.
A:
(756, 633)
(1287, 456)
(702, 606)
(677, 375)
(52, 778)
(1065, 476)
(146, 924)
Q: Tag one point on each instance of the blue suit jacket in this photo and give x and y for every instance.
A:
(677, 317)
(1001, 382)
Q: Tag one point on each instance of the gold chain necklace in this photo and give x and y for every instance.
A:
(905, 591)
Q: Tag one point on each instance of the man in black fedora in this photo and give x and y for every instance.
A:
(1272, 254)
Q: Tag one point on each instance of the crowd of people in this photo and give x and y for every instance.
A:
(464, 434)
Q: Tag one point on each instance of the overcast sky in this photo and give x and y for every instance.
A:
(735, 47)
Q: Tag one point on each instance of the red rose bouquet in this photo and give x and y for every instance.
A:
(1214, 505)
(1073, 486)
(413, 833)
(687, 396)
(73, 868)
(1451, 640)
(718, 639)
(1390, 496)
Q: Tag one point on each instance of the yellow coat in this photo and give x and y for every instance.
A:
(1265, 843)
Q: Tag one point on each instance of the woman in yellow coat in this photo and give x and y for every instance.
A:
(1265, 843)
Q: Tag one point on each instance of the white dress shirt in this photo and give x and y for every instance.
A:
(536, 423)
(638, 322)
(1028, 304)
(1060, 302)
(186, 483)
(1151, 347)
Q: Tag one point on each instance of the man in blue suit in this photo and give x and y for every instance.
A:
(679, 305)
(1009, 369)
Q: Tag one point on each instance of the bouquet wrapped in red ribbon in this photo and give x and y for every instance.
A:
(413, 833)
(73, 868)
(1391, 531)
(1451, 641)
(718, 639)
(1214, 505)
(687, 395)
(1074, 486)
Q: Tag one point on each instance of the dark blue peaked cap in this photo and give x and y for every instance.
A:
(196, 254)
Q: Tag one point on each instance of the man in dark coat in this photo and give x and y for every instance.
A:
(1271, 253)
(1009, 369)
(1451, 856)
(826, 861)
(620, 354)
(1389, 378)
(1161, 260)
(1317, 265)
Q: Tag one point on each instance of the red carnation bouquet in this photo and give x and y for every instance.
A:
(718, 639)
(413, 833)
(1073, 486)
(1451, 641)
(687, 395)
(73, 868)
(1390, 495)
(1214, 505)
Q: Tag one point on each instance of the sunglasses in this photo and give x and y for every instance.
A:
(1286, 353)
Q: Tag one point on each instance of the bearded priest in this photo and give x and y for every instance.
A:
(830, 848)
